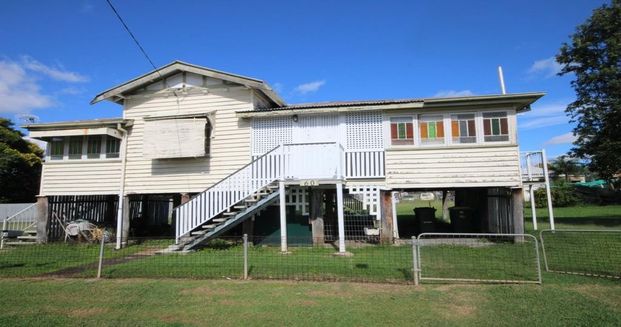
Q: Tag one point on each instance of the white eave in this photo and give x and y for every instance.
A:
(117, 93)
(77, 128)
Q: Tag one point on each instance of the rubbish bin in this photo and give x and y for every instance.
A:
(425, 219)
(462, 219)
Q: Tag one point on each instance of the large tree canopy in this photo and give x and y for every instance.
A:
(594, 56)
(20, 165)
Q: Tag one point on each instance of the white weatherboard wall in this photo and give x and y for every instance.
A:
(81, 177)
(230, 143)
(482, 166)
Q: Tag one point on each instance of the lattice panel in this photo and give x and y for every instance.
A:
(299, 197)
(268, 133)
(364, 131)
(370, 197)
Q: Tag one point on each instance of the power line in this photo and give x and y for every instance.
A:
(131, 34)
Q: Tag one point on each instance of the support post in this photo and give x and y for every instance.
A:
(386, 221)
(245, 256)
(394, 197)
(517, 209)
(101, 255)
(283, 216)
(125, 224)
(548, 193)
(316, 218)
(42, 219)
(341, 216)
(533, 210)
(415, 271)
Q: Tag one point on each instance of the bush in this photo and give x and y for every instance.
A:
(563, 195)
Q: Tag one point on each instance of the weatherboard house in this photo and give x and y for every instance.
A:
(200, 152)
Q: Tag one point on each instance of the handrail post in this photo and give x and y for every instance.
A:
(3, 231)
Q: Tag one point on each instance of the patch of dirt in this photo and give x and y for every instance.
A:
(460, 304)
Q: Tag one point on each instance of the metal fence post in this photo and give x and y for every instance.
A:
(415, 260)
(101, 254)
(245, 256)
(543, 251)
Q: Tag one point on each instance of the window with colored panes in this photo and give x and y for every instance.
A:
(94, 147)
(113, 145)
(401, 131)
(495, 127)
(57, 148)
(431, 129)
(463, 128)
(75, 147)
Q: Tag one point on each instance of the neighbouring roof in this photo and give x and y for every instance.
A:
(175, 67)
(521, 100)
(79, 124)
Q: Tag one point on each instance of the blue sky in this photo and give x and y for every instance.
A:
(56, 55)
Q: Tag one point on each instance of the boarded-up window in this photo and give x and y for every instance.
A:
(175, 138)
(495, 127)
(431, 129)
(401, 131)
(463, 128)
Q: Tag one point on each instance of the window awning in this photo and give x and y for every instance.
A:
(76, 132)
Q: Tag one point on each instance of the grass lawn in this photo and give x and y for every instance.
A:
(579, 217)
(566, 300)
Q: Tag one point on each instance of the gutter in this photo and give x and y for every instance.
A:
(119, 214)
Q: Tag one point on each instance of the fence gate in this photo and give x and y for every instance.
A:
(594, 253)
(488, 258)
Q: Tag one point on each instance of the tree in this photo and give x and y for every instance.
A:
(565, 165)
(594, 56)
(20, 165)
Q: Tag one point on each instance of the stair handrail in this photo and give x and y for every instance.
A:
(7, 221)
(228, 176)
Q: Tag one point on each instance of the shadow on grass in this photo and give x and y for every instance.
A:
(599, 221)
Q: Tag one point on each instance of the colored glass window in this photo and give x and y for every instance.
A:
(495, 127)
(401, 131)
(463, 128)
(431, 129)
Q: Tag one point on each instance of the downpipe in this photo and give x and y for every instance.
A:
(119, 213)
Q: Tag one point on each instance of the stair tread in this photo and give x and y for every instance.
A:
(26, 237)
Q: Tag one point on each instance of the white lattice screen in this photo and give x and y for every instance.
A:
(268, 133)
(299, 197)
(370, 197)
(364, 131)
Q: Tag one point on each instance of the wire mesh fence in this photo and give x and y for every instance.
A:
(583, 252)
(496, 258)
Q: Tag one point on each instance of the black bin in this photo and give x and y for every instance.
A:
(462, 219)
(425, 219)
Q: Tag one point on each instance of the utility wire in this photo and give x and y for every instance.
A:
(131, 34)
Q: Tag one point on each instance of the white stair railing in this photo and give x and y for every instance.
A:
(19, 222)
(221, 196)
(322, 161)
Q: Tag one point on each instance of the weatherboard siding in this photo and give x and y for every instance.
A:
(230, 143)
(453, 167)
(81, 177)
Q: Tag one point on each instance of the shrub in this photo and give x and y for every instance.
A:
(563, 195)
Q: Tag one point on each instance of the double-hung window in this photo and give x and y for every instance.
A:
(93, 147)
(463, 128)
(431, 129)
(113, 146)
(495, 127)
(57, 148)
(75, 147)
(401, 131)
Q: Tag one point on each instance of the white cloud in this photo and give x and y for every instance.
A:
(309, 87)
(72, 90)
(56, 73)
(278, 87)
(19, 93)
(453, 93)
(548, 67)
(546, 115)
(566, 138)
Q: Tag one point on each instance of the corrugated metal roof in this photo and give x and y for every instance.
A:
(329, 104)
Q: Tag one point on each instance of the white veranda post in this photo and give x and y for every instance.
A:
(341, 216)
(548, 193)
(531, 191)
(283, 217)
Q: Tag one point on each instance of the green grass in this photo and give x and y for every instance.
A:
(579, 217)
(565, 301)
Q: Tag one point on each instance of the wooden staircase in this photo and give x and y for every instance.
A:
(223, 222)
(28, 237)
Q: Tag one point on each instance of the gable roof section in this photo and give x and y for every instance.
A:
(521, 100)
(174, 67)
